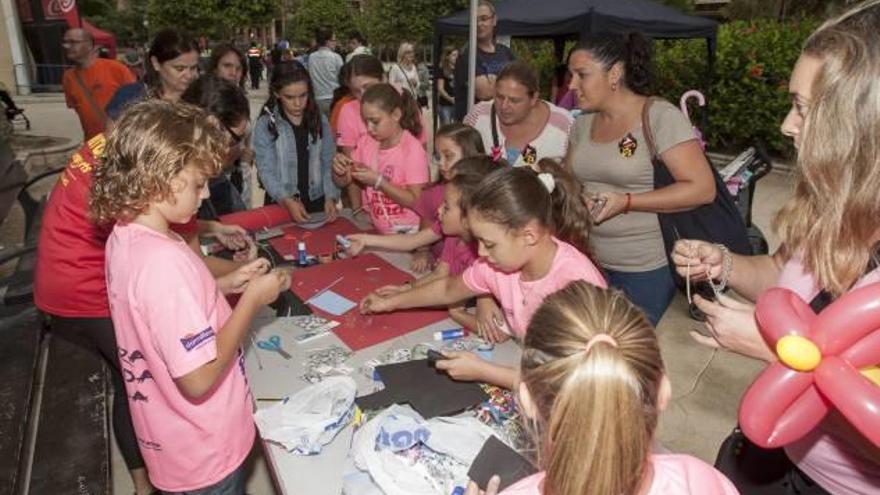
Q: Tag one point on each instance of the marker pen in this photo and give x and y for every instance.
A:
(451, 334)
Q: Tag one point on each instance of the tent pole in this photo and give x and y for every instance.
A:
(707, 84)
(438, 69)
(472, 54)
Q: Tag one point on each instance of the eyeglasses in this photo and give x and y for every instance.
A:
(71, 42)
(236, 138)
(485, 18)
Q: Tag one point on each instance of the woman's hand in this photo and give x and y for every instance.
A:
(247, 254)
(375, 303)
(462, 366)
(237, 281)
(615, 203)
(733, 327)
(359, 242)
(364, 175)
(297, 210)
(330, 210)
(390, 290)
(705, 259)
(490, 321)
(232, 237)
(264, 289)
(342, 169)
(491, 487)
(422, 261)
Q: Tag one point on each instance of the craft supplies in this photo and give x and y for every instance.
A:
(273, 344)
(324, 362)
(301, 254)
(343, 241)
(452, 333)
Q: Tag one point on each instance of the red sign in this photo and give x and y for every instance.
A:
(62, 9)
(24, 11)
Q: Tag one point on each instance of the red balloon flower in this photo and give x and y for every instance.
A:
(821, 365)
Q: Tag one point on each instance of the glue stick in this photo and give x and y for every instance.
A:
(302, 258)
(451, 334)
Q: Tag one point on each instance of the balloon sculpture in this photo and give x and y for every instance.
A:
(825, 360)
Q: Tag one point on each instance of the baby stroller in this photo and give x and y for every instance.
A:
(741, 176)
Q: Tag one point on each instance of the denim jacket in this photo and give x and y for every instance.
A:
(276, 159)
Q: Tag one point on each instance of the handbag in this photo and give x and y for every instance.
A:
(718, 222)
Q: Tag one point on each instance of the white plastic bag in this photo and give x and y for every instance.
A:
(311, 418)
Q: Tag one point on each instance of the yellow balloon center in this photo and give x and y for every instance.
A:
(798, 353)
(872, 373)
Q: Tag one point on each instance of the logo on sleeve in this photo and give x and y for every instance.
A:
(193, 341)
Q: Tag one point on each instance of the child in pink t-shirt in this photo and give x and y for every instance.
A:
(388, 164)
(592, 380)
(459, 248)
(525, 223)
(452, 142)
(177, 336)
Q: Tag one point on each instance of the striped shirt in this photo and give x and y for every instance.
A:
(551, 143)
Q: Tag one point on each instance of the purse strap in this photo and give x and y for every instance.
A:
(646, 128)
(87, 92)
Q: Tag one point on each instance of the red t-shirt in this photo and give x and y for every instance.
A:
(69, 279)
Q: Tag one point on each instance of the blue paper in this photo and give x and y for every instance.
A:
(332, 303)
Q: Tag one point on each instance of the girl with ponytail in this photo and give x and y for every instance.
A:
(592, 387)
(388, 164)
(529, 246)
(609, 153)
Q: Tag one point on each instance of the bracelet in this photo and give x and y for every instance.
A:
(378, 181)
(629, 198)
(726, 266)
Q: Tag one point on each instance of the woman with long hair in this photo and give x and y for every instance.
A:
(830, 234)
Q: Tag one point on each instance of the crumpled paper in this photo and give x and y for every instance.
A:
(306, 421)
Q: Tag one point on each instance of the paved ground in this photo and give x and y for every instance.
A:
(704, 404)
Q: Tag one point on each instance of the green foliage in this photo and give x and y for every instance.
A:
(126, 24)
(749, 94)
(313, 14)
(213, 18)
(391, 21)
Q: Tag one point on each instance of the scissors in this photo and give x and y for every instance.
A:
(273, 343)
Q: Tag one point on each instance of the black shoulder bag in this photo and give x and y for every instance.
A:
(718, 222)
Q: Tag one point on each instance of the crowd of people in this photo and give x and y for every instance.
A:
(542, 228)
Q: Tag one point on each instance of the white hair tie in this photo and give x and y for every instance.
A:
(548, 181)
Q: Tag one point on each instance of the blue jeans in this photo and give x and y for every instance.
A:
(652, 290)
(233, 484)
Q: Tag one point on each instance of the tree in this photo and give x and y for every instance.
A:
(391, 21)
(313, 14)
(214, 18)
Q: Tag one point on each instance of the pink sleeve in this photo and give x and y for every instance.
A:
(348, 125)
(471, 118)
(417, 169)
(479, 277)
(181, 331)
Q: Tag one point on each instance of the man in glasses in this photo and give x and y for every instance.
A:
(491, 58)
(90, 83)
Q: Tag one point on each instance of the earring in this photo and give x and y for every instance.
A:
(613, 86)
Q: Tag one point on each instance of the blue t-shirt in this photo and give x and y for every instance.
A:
(123, 97)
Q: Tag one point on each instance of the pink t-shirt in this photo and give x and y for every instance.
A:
(826, 458)
(427, 207)
(167, 310)
(458, 254)
(402, 165)
(351, 126)
(674, 474)
(519, 300)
